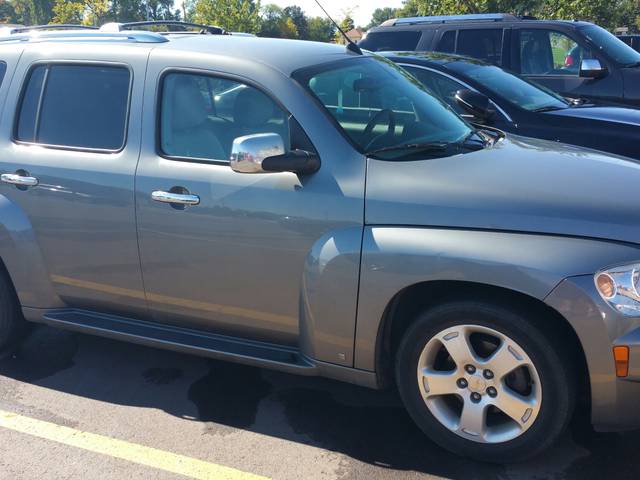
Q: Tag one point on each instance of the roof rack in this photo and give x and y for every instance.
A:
(204, 29)
(477, 17)
(52, 26)
(84, 35)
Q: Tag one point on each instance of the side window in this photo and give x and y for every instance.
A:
(447, 43)
(201, 115)
(443, 87)
(484, 44)
(391, 41)
(78, 106)
(546, 52)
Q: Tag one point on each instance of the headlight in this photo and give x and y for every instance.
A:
(620, 287)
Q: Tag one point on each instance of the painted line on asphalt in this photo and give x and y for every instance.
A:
(131, 452)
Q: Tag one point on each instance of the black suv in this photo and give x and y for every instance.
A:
(576, 59)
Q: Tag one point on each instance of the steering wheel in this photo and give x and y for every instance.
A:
(376, 120)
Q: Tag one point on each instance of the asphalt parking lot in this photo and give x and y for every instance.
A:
(235, 418)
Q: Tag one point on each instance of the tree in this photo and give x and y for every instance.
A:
(321, 29)
(33, 12)
(296, 14)
(381, 15)
(346, 25)
(7, 12)
(233, 15)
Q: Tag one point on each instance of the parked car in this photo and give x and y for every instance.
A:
(338, 221)
(488, 95)
(632, 40)
(575, 59)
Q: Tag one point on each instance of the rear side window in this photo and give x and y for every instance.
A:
(391, 41)
(485, 44)
(78, 106)
(447, 43)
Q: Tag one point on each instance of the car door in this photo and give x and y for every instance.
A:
(70, 129)
(553, 58)
(255, 254)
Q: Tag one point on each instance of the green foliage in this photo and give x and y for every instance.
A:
(33, 12)
(382, 14)
(291, 22)
(233, 15)
(321, 29)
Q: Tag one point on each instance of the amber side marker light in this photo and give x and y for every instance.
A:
(621, 356)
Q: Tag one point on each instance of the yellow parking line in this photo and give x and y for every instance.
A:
(150, 457)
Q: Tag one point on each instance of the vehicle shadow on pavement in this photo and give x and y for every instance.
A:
(365, 425)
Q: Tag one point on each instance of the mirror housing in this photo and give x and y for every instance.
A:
(265, 153)
(476, 104)
(592, 68)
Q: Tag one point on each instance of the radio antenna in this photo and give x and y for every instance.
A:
(351, 45)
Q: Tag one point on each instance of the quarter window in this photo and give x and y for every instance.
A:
(202, 115)
(79, 106)
(447, 43)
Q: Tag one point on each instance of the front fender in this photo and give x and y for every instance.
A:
(394, 258)
(22, 257)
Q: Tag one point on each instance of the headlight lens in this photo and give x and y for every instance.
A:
(620, 287)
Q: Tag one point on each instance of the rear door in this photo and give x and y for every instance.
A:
(70, 133)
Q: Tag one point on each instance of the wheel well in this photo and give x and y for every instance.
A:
(407, 304)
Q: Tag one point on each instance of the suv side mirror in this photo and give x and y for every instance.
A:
(476, 104)
(592, 68)
(265, 153)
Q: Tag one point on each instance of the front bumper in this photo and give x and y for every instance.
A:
(614, 401)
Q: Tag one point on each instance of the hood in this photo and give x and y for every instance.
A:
(519, 184)
(627, 116)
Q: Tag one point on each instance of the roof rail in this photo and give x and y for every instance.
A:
(52, 26)
(83, 35)
(476, 17)
(119, 27)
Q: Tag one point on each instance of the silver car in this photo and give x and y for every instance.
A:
(312, 209)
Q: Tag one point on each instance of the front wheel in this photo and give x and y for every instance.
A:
(483, 382)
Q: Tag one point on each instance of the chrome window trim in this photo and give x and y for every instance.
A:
(457, 80)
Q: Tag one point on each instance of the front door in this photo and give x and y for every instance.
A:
(244, 255)
(553, 58)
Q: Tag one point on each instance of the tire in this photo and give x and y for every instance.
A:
(543, 387)
(13, 327)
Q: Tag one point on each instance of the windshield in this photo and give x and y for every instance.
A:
(613, 47)
(379, 106)
(509, 87)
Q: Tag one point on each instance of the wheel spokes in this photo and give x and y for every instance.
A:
(515, 406)
(439, 383)
(457, 344)
(473, 419)
(505, 360)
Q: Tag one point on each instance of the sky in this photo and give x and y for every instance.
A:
(362, 9)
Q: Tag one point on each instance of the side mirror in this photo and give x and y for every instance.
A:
(476, 104)
(265, 153)
(592, 68)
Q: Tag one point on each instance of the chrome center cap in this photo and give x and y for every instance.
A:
(477, 384)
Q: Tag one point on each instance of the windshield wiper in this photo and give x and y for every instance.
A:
(548, 108)
(420, 147)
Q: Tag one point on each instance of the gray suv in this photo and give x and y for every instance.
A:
(304, 207)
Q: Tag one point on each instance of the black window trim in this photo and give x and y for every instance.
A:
(208, 73)
(48, 63)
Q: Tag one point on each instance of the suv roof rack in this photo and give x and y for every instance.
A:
(477, 17)
(204, 29)
(80, 34)
(51, 26)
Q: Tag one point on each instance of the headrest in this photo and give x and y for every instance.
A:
(188, 103)
(252, 108)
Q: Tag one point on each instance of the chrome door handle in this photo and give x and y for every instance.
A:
(15, 179)
(178, 198)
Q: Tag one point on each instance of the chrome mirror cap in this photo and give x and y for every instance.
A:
(248, 152)
(592, 68)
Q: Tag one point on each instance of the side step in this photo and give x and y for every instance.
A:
(184, 340)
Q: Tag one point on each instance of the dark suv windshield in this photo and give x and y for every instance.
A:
(379, 106)
(509, 87)
(613, 47)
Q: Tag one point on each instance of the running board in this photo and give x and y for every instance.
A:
(184, 340)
